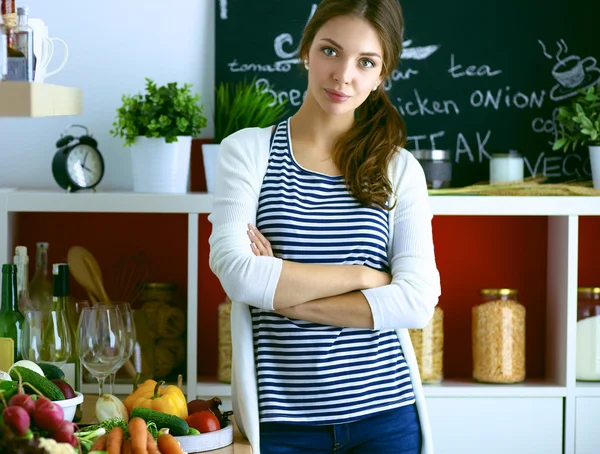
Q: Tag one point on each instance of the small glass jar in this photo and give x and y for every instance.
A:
(428, 344)
(224, 342)
(498, 333)
(588, 334)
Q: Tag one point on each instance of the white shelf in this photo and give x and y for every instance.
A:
(26, 200)
(588, 389)
(514, 206)
(469, 388)
(33, 99)
(106, 202)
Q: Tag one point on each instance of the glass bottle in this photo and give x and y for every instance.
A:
(498, 335)
(3, 52)
(9, 12)
(588, 334)
(429, 348)
(40, 287)
(24, 40)
(11, 320)
(21, 259)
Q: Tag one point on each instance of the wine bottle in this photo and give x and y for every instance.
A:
(21, 259)
(40, 288)
(11, 320)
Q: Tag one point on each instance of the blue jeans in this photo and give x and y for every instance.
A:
(390, 432)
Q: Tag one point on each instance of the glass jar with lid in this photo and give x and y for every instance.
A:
(498, 336)
(428, 344)
(224, 341)
(588, 334)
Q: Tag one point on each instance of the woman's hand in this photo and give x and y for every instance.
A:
(260, 245)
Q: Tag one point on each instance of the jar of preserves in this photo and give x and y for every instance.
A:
(588, 334)
(428, 344)
(224, 342)
(498, 336)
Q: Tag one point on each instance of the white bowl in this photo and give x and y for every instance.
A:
(70, 405)
(207, 441)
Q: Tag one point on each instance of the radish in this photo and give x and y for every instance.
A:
(64, 433)
(48, 416)
(24, 401)
(17, 419)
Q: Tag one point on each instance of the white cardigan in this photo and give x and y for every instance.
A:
(408, 302)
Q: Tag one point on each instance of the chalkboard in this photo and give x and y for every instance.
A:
(475, 77)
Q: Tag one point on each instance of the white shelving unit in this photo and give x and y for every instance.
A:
(532, 417)
(34, 99)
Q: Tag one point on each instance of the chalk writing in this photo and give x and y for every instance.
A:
(503, 98)
(420, 106)
(471, 71)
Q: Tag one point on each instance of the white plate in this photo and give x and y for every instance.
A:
(207, 441)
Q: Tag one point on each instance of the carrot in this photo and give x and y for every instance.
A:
(126, 447)
(151, 445)
(100, 444)
(115, 440)
(137, 435)
(167, 444)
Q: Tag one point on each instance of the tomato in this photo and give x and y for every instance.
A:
(203, 421)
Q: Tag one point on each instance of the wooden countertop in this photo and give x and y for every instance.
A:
(240, 444)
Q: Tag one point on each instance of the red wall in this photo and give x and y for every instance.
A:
(472, 253)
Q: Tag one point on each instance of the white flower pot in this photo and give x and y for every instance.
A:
(210, 155)
(159, 166)
(595, 165)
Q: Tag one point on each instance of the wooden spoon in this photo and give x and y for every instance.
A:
(86, 271)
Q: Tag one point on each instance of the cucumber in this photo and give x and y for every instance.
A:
(51, 371)
(175, 424)
(39, 382)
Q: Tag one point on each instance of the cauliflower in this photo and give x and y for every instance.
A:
(52, 447)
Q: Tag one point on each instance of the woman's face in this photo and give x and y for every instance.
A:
(345, 63)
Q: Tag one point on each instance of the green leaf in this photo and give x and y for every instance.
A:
(559, 144)
(594, 134)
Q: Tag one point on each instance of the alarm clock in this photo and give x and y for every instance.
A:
(77, 164)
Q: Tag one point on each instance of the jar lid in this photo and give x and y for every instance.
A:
(159, 286)
(433, 155)
(498, 291)
(594, 290)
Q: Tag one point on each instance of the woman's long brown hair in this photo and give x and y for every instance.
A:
(363, 154)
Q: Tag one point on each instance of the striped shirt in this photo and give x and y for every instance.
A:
(309, 373)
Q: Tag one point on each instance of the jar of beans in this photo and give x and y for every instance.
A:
(498, 337)
(429, 348)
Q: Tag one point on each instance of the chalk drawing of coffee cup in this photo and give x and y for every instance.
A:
(572, 74)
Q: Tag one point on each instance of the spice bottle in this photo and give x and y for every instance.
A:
(498, 337)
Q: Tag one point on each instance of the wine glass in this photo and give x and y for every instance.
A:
(46, 337)
(124, 309)
(100, 343)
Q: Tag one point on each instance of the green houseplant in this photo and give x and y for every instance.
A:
(579, 123)
(158, 126)
(238, 106)
(167, 112)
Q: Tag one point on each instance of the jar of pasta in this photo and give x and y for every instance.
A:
(588, 334)
(498, 337)
(428, 344)
(224, 342)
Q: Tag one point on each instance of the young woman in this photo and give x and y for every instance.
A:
(322, 239)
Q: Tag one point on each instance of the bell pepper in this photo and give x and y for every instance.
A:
(166, 399)
(145, 388)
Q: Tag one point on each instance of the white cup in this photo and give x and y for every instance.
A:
(43, 48)
(505, 168)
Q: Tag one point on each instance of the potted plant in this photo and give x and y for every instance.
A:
(239, 106)
(159, 126)
(580, 126)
